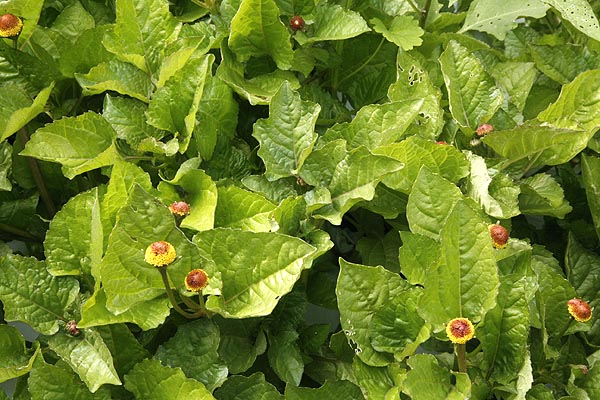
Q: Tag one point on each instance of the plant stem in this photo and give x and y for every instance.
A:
(17, 231)
(461, 350)
(23, 136)
(424, 14)
(414, 7)
(171, 296)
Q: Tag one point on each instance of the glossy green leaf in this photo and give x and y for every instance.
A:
(285, 357)
(417, 254)
(431, 200)
(256, 269)
(256, 30)
(88, 356)
(253, 387)
(173, 107)
(85, 52)
(428, 380)
(126, 278)
(239, 208)
(329, 391)
(6, 151)
(377, 125)
(238, 343)
(153, 381)
(498, 18)
(416, 152)
(465, 281)
(563, 63)
(15, 358)
(31, 295)
(333, 22)
(79, 144)
(497, 195)
(118, 76)
(580, 14)
(380, 250)
(123, 345)
(542, 195)
(473, 95)
(361, 292)
(590, 171)
(404, 31)
(517, 79)
(142, 32)
(18, 109)
(578, 106)
(287, 137)
(374, 382)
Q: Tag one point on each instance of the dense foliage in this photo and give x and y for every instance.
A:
(342, 171)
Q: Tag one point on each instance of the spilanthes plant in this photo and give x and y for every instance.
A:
(160, 254)
(580, 310)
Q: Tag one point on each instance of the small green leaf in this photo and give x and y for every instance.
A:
(88, 356)
(380, 250)
(237, 345)
(15, 358)
(331, 390)
(404, 31)
(427, 380)
(333, 22)
(79, 144)
(242, 209)
(253, 387)
(256, 269)
(542, 195)
(517, 79)
(287, 137)
(152, 381)
(590, 171)
(117, 76)
(17, 108)
(473, 95)
(285, 357)
(417, 254)
(31, 295)
(375, 382)
(580, 14)
(123, 345)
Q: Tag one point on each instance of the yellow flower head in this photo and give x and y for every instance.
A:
(460, 330)
(10, 26)
(580, 310)
(160, 254)
(196, 280)
(180, 208)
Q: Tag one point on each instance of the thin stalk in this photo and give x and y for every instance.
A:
(171, 296)
(461, 350)
(17, 231)
(414, 7)
(424, 14)
(364, 64)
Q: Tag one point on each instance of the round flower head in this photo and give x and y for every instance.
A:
(297, 22)
(460, 330)
(10, 26)
(196, 280)
(484, 130)
(579, 309)
(160, 254)
(180, 208)
(71, 328)
(499, 235)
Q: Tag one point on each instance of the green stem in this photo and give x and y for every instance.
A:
(190, 303)
(171, 296)
(424, 14)
(461, 350)
(364, 64)
(23, 136)
(17, 231)
(414, 7)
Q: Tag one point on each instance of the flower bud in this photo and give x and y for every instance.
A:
(297, 23)
(196, 280)
(180, 208)
(499, 235)
(71, 328)
(460, 330)
(10, 26)
(160, 254)
(484, 130)
(579, 309)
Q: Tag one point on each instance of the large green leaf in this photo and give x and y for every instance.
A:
(118, 76)
(194, 350)
(256, 269)
(15, 358)
(375, 382)
(88, 356)
(427, 380)
(517, 79)
(415, 152)
(256, 30)
(152, 381)
(287, 137)
(333, 22)
(417, 254)
(30, 294)
(124, 347)
(331, 390)
(580, 14)
(590, 171)
(285, 357)
(142, 32)
(465, 282)
(563, 63)
(473, 95)
(238, 344)
(79, 144)
(85, 52)
(17, 109)
(498, 18)
(253, 387)
(542, 195)
(240, 208)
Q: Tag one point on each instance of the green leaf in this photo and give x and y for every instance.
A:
(6, 151)
(542, 195)
(123, 345)
(331, 390)
(285, 357)
(74, 240)
(31, 295)
(173, 107)
(431, 200)
(416, 152)
(375, 382)
(562, 63)
(194, 350)
(287, 137)
(238, 343)
(473, 96)
(15, 358)
(417, 254)
(380, 250)
(464, 283)
(242, 209)
(580, 14)
(404, 31)
(256, 30)
(253, 387)
(497, 195)
(377, 125)
(152, 381)
(85, 52)
(498, 18)
(332, 22)
(126, 278)
(256, 269)
(79, 144)
(117, 76)
(578, 106)
(517, 79)
(361, 292)
(88, 356)
(428, 380)
(17, 109)
(527, 147)
(589, 382)
(590, 171)
(142, 32)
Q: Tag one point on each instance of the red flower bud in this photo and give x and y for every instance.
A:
(196, 280)
(580, 310)
(499, 235)
(180, 208)
(297, 23)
